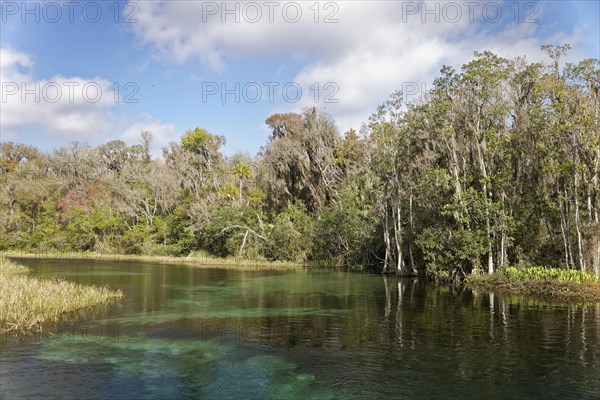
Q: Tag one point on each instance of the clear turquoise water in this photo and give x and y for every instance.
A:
(193, 333)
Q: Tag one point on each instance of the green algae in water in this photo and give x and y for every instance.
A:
(79, 349)
(196, 311)
(146, 360)
(335, 284)
(206, 368)
(263, 377)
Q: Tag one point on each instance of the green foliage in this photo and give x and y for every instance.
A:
(345, 233)
(178, 234)
(87, 227)
(242, 171)
(15, 240)
(449, 250)
(292, 234)
(80, 230)
(132, 241)
(47, 234)
(546, 273)
(201, 141)
(255, 196)
(224, 233)
(229, 191)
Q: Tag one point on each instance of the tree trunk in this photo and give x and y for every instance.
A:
(590, 212)
(597, 258)
(487, 212)
(412, 231)
(456, 173)
(563, 229)
(502, 260)
(243, 243)
(480, 148)
(577, 229)
(596, 185)
(388, 262)
(567, 213)
(398, 238)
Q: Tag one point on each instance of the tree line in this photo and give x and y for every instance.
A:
(497, 165)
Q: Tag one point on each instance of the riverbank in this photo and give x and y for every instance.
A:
(518, 282)
(192, 260)
(27, 303)
(553, 290)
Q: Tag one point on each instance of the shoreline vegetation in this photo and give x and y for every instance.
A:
(27, 304)
(549, 284)
(193, 259)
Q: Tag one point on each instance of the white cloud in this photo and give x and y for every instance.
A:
(367, 76)
(67, 108)
(162, 133)
(12, 62)
(375, 47)
(72, 108)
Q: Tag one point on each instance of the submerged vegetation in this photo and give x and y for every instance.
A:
(497, 165)
(28, 303)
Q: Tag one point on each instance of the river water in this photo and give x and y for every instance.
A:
(196, 333)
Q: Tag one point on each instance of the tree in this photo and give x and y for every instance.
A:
(198, 160)
(145, 141)
(298, 162)
(242, 171)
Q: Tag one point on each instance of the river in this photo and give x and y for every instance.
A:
(187, 332)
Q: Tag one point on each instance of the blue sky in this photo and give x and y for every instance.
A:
(171, 52)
